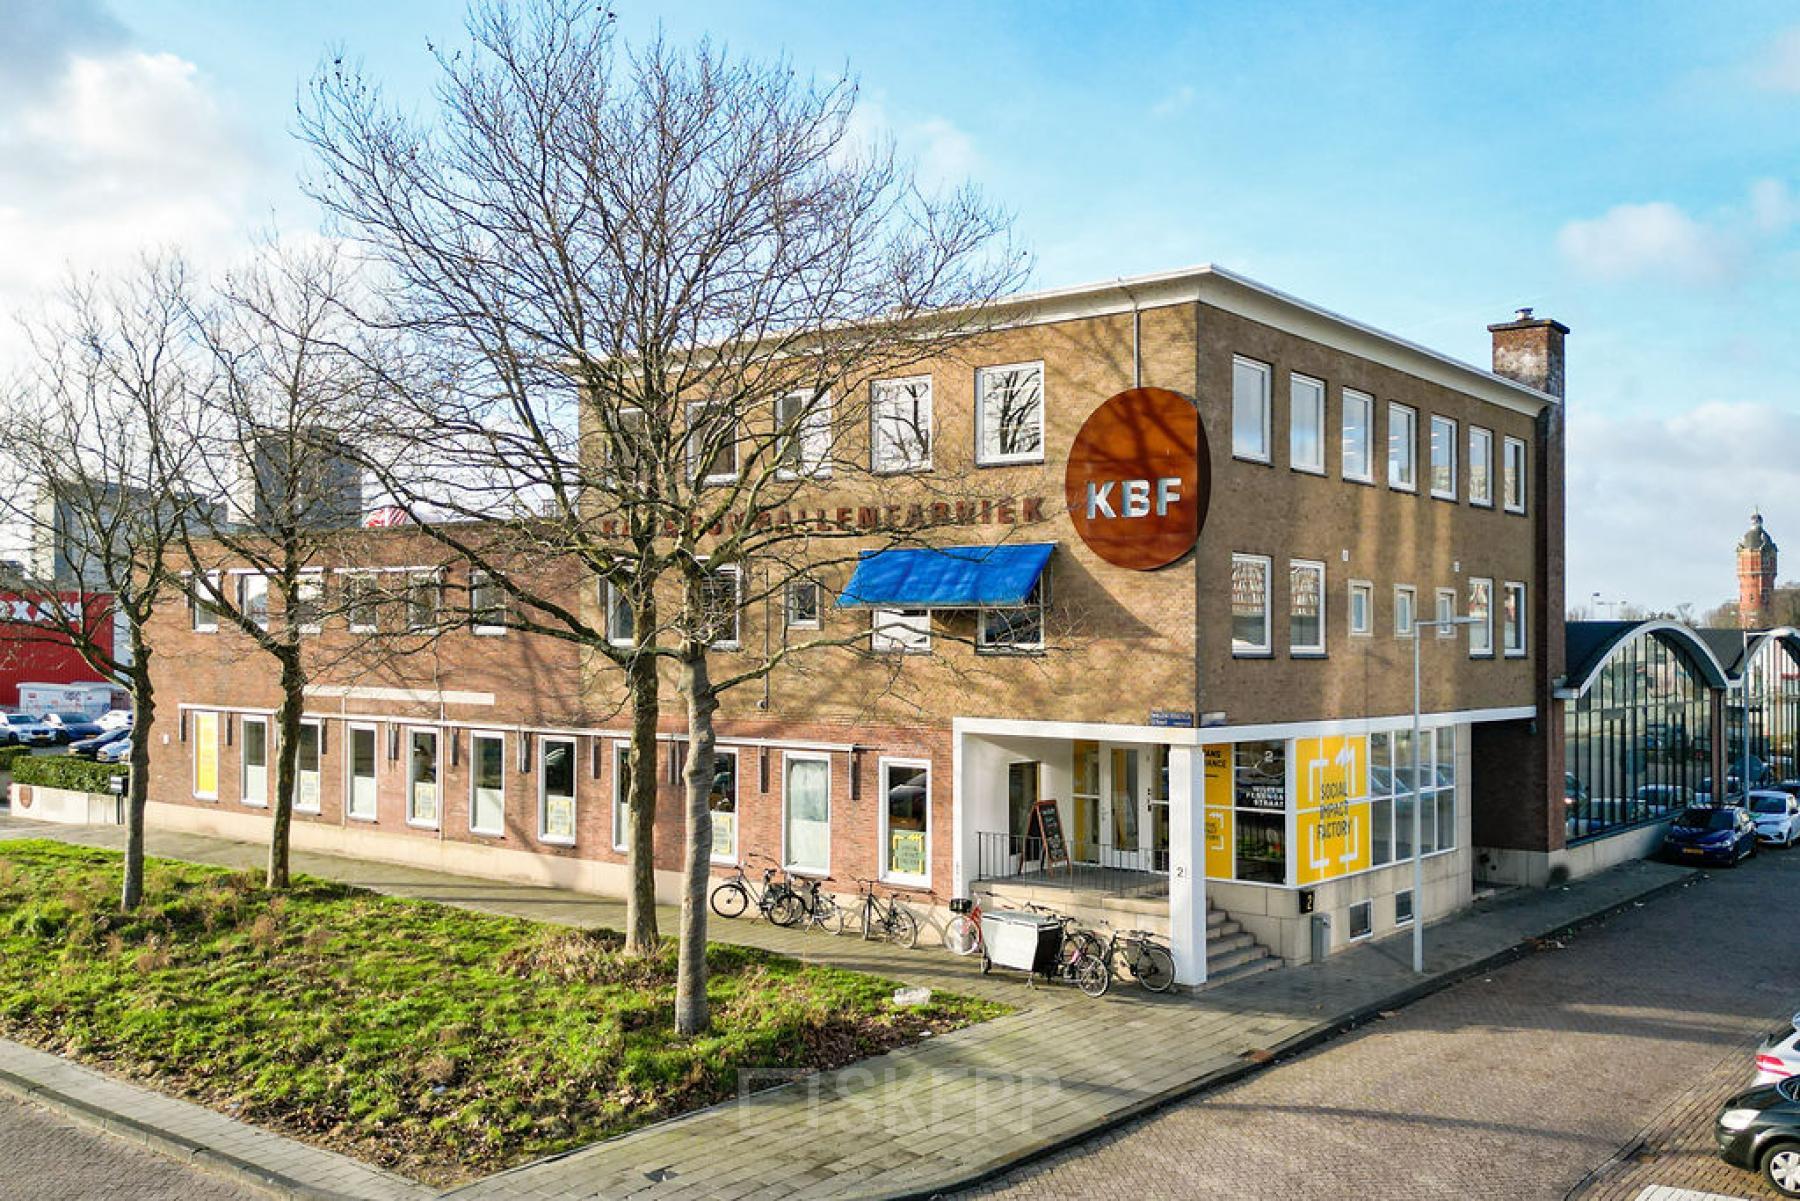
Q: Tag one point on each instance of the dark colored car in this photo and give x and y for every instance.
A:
(1759, 1131)
(86, 748)
(1725, 834)
(73, 727)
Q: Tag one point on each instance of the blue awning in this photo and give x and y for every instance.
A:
(950, 577)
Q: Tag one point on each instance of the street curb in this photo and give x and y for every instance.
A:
(165, 1142)
(1306, 1040)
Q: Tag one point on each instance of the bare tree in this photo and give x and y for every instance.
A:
(95, 474)
(647, 296)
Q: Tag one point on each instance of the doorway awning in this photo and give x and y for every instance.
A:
(950, 577)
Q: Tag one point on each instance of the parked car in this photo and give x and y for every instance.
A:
(24, 729)
(1759, 1131)
(1791, 787)
(1776, 814)
(1724, 834)
(71, 727)
(114, 752)
(114, 719)
(1734, 790)
(1779, 1055)
(88, 748)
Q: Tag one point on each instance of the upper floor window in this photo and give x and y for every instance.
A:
(900, 424)
(625, 448)
(1403, 448)
(1359, 425)
(1406, 601)
(1481, 466)
(1513, 629)
(1443, 458)
(1013, 628)
(1306, 424)
(720, 600)
(487, 604)
(1250, 409)
(361, 602)
(712, 451)
(1250, 604)
(1446, 612)
(1362, 607)
(1306, 608)
(803, 605)
(803, 435)
(620, 621)
(308, 602)
(1514, 475)
(201, 609)
(253, 598)
(1009, 413)
(424, 597)
(1481, 607)
(904, 631)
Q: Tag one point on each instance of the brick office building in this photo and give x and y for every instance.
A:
(1226, 510)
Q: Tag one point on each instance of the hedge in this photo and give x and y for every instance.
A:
(9, 753)
(76, 775)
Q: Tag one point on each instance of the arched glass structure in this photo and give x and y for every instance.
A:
(1769, 707)
(1638, 738)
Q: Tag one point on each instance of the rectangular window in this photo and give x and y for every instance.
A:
(206, 756)
(1009, 413)
(1444, 780)
(621, 795)
(1013, 629)
(900, 631)
(422, 778)
(1481, 466)
(306, 790)
(1250, 409)
(806, 813)
(722, 801)
(1513, 626)
(1446, 610)
(487, 604)
(626, 445)
(906, 821)
(1259, 820)
(1381, 800)
(803, 605)
(253, 598)
(308, 602)
(719, 600)
(1359, 425)
(1250, 604)
(620, 622)
(1306, 424)
(803, 435)
(424, 597)
(487, 784)
(201, 609)
(1514, 475)
(1360, 919)
(1362, 607)
(1403, 908)
(1481, 607)
(362, 602)
(1403, 448)
(1443, 457)
(712, 452)
(900, 425)
(1405, 602)
(1306, 608)
(556, 791)
(256, 761)
(362, 767)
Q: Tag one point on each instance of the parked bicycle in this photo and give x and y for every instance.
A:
(1149, 962)
(1077, 959)
(775, 899)
(962, 934)
(819, 910)
(884, 917)
(1088, 941)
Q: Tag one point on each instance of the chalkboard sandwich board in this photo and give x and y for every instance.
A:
(1046, 825)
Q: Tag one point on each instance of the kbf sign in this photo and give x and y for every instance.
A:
(1138, 479)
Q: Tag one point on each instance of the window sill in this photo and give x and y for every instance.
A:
(1259, 460)
(488, 631)
(1011, 652)
(1237, 654)
(486, 833)
(357, 817)
(419, 825)
(1517, 655)
(309, 811)
(1318, 471)
(1449, 496)
(1292, 654)
(1515, 512)
(365, 629)
(555, 842)
(805, 627)
(1362, 633)
(211, 800)
(254, 804)
(910, 469)
(1032, 461)
(904, 881)
(808, 873)
(729, 861)
(1480, 504)
(1409, 489)
(1367, 481)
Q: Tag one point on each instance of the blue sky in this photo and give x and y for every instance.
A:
(1628, 168)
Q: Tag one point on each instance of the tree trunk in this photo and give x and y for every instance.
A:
(691, 1015)
(137, 786)
(287, 762)
(641, 937)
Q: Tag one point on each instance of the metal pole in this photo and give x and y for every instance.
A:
(1744, 787)
(1418, 889)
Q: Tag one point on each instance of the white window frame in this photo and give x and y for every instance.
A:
(1486, 458)
(242, 590)
(244, 761)
(621, 804)
(816, 621)
(318, 771)
(982, 457)
(218, 735)
(737, 827)
(985, 645)
(486, 580)
(204, 617)
(1365, 904)
(1366, 590)
(881, 780)
(788, 758)
(1514, 588)
(476, 736)
(1411, 628)
(1352, 398)
(437, 755)
(374, 733)
(315, 577)
(1438, 614)
(1411, 905)
(1267, 648)
(1314, 650)
(1439, 422)
(1486, 629)
(879, 406)
(736, 573)
(884, 619)
(543, 788)
(1508, 446)
(1267, 374)
(813, 434)
(610, 598)
(1399, 481)
(350, 581)
(433, 579)
(1297, 383)
(694, 448)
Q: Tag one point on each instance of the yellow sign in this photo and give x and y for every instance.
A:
(906, 852)
(1331, 803)
(1216, 790)
(206, 755)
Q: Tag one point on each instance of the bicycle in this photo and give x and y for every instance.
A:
(818, 908)
(962, 935)
(775, 899)
(1086, 940)
(885, 917)
(1077, 960)
(1150, 962)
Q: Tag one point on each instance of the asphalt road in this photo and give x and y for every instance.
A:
(45, 1157)
(1516, 1085)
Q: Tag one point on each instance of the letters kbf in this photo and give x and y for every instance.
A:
(1135, 497)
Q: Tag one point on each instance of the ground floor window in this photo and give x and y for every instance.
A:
(487, 783)
(905, 819)
(256, 761)
(1362, 916)
(361, 759)
(1391, 795)
(806, 813)
(1259, 798)
(206, 756)
(621, 806)
(306, 756)
(723, 803)
(556, 790)
(422, 777)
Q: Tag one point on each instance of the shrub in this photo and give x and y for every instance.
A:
(10, 753)
(76, 775)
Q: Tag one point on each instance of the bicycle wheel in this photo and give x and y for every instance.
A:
(730, 899)
(963, 935)
(1092, 976)
(1088, 943)
(826, 915)
(1154, 968)
(902, 927)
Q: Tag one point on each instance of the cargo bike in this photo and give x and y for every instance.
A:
(1040, 944)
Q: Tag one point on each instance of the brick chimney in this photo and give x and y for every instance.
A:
(1530, 349)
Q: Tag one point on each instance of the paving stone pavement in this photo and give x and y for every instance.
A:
(967, 1103)
(46, 1157)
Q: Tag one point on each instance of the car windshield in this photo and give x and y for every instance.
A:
(18, 719)
(1768, 804)
(1705, 819)
(74, 717)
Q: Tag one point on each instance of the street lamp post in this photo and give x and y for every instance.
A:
(1418, 890)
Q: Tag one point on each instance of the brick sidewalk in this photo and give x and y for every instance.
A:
(964, 1105)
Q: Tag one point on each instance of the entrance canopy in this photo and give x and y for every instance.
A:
(951, 577)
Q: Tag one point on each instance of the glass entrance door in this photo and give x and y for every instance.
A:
(1124, 811)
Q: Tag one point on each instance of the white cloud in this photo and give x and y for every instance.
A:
(1632, 241)
(1181, 98)
(1773, 206)
(1777, 69)
(941, 151)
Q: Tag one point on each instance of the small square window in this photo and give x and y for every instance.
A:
(1361, 920)
(1012, 629)
(1009, 413)
(900, 425)
(900, 631)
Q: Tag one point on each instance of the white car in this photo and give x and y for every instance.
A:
(1776, 814)
(1779, 1056)
(26, 730)
(114, 719)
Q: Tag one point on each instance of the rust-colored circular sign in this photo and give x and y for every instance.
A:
(1138, 479)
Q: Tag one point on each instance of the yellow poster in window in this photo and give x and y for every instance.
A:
(1216, 793)
(206, 755)
(1331, 803)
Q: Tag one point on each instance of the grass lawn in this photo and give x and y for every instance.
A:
(439, 1042)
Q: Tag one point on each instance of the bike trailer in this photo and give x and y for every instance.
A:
(1025, 942)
